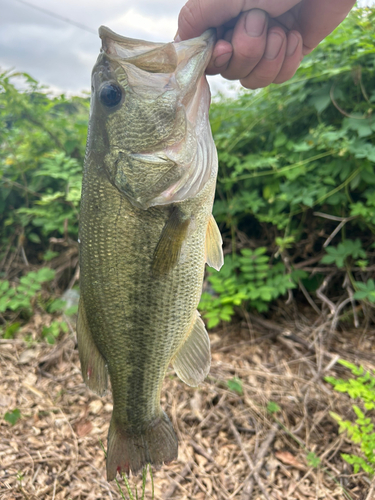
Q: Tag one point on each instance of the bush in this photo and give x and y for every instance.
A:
(41, 159)
(361, 432)
(296, 173)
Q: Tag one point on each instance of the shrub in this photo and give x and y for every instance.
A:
(360, 387)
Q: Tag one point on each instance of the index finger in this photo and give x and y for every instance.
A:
(198, 15)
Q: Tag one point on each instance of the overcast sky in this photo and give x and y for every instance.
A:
(62, 55)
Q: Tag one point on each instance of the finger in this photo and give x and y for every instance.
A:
(248, 42)
(293, 57)
(198, 15)
(220, 56)
(318, 18)
(268, 68)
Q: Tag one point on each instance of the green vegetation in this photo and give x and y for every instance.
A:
(235, 385)
(13, 416)
(360, 387)
(134, 495)
(295, 199)
(297, 174)
(41, 157)
(20, 297)
(248, 278)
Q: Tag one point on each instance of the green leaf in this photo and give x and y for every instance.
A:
(273, 407)
(13, 416)
(235, 385)
(313, 460)
(11, 330)
(321, 99)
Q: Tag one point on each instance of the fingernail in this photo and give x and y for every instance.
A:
(292, 44)
(222, 59)
(255, 22)
(274, 43)
(177, 38)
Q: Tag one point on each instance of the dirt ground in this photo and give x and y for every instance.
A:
(230, 446)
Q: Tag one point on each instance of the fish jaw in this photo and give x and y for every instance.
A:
(161, 150)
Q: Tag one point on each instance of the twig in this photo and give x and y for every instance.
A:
(342, 111)
(54, 489)
(328, 216)
(308, 262)
(202, 451)
(246, 455)
(335, 231)
(351, 296)
(248, 489)
(176, 482)
(308, 298)
(75, 277)
(24, 258)
(323, 298)
(371, 491)
(338, 309)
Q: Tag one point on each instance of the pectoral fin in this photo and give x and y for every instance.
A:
(193, 360)
(214, 242)
(168, 249)
(93, 367)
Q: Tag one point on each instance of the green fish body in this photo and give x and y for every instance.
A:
(146, 232)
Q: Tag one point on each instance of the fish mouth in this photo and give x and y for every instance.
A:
(156, 57)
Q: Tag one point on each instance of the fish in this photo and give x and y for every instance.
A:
(146, 231)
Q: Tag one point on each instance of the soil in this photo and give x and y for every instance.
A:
(231, 447)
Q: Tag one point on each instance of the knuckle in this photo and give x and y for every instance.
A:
(250, 51)
(257, 80)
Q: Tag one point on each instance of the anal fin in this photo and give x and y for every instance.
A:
(214, 242)
(94, 371)
(193, 360)
(168, 249)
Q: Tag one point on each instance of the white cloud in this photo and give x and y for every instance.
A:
(135, 23)
(62, 55)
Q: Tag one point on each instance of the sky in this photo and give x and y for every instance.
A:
(61, 55)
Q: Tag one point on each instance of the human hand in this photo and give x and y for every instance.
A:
(261, 41)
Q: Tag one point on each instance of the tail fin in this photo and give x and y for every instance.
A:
(129, 451)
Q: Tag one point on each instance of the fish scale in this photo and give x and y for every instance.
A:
(142, 262)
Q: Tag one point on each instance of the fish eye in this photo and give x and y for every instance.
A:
(110, 95)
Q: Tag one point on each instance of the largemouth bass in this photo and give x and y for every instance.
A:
(146, 232)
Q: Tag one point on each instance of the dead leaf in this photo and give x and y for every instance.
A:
(202, 461)
(95, 406)
(27, 356)
(83, 427)
(287, 458)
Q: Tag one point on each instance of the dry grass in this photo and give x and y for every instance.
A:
(230, 447)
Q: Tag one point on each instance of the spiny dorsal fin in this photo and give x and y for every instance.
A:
(214, 242)
(168, 249)
(94, 371)
(193, 360)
